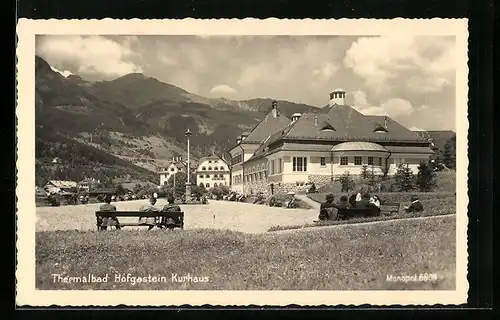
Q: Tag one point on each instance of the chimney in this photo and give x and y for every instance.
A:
(275, 109)
(238, 139)
(295, 117)
(244, 135)
(316, 121)
(337, 97)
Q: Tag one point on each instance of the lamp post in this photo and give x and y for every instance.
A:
(188, 184)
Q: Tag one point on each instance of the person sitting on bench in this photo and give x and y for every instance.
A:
(170, 207)
(365, 203)
(375, 200)
(151, 221)
(352, 200)
(108, 221)
(328, 209)
(416, 205)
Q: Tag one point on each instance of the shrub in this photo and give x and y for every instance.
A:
(404, 178)
(426, 178)
(346, 182)
(312, 188)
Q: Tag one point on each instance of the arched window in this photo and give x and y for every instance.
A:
(204, 168)
(207, 185)
(201, 176)
(215, 185)
(209, 168)
(221, 168)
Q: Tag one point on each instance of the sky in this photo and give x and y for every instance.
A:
(410, 78)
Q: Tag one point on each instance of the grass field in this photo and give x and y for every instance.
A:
(335, 258)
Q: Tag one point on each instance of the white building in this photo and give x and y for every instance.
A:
(54, 186)
(282, 154)
(212, 171)
(175, 166)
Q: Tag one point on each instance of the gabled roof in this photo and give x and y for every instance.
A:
(267, 126)
(63, 183)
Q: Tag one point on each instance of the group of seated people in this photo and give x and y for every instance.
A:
(359, 201)
(149, 221)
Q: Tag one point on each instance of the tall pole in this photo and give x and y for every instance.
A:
(188, 184)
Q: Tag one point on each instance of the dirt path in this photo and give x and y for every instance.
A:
(315, 205)
(236, 216)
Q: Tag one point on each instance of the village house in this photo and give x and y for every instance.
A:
(212, 171)
(281, 154)
(54, 186)
(176, 165)
(88, 184)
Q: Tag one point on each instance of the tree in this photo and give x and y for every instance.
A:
(372, 177)
(364, 171)
(180, 182)
(119, 189)
(346, 182)
(448, 156)
(404, 178)
(426, 177)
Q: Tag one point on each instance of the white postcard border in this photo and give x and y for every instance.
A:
(26, 215)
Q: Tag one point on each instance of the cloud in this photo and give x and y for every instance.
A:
(416, 129)
(326, 72)
(223, 90)
(416, 64)
(397, 107)
(65, 73)
(90, 54)
(360, 98)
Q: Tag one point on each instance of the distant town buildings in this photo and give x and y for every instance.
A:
(54, 186)
(88, 184)
(212, 171)
(283, 154)
(176, 165)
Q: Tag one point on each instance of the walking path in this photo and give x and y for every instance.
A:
(361, 224)
(309, 201)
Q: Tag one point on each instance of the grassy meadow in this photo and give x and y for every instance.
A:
(341, 258)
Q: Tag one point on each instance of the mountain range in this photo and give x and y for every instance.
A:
(132, 125)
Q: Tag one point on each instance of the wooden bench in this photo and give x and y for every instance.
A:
(352, 213)
(389, 209)
(177, 217)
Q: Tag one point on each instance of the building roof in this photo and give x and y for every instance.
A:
(399, 149)
(348, 125)
(211, 157)
(267, 126)
(63, 183)
(359, 146)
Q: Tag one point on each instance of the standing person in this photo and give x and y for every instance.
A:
(416, 205)
(151, 221)
(108, 221)
(170, 207)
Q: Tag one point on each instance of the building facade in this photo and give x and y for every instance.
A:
(282, 154)
(212, 171)
(55, 186)
(175, 166)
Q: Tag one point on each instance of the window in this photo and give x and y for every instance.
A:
(207, 176)
(343, 161)
(221, 169)
(280, 165)
(215, 185)
(209, 168)
(204, 168)
(260, 175)
(322, 161)
(215, 161)
(370, 161)
(380, 161)
(357, 161)
(201, 176)
(209, 161)
(300, 164)
(207, 185)
(272, 166)
(172, 169)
